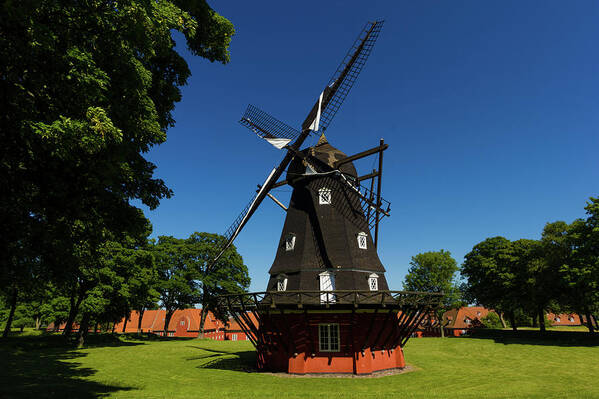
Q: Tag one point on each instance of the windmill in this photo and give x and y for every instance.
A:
(327, 307)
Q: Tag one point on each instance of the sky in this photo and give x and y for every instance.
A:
(489, 110)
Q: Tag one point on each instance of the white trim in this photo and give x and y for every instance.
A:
(373, 282)
(281, 283)
(327, 283)
(324, 196)
(290, 242)
(362, 240)
(277, 142)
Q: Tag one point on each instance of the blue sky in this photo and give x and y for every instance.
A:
(489, 108)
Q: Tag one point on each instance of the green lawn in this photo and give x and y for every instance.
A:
(506, 367)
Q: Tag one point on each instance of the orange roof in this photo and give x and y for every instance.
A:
(465, 317)
(564, 319)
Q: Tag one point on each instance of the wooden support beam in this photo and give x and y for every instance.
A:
(280, 184)
(378, 197)
(368, 176)
(272, 197)
(362, 154)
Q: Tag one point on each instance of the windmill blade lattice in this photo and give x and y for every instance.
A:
(277, 133)
(343, 79)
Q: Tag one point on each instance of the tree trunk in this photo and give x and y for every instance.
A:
(590, 325)
(141, 315)
(202, 321)
(125, 322)
(56, 325)
(38, 322)
(503, 325)
(113, 327)
(96, 326)
(11, 314)
(82, 335)
(74, 309)
(541, 315)
(167, 320)
(534, 319)
(512, 318)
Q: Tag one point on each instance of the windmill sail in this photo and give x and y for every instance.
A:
(235, 228)
(277, 133)
(343, 79)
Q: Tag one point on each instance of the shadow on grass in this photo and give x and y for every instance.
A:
(45, 369)
(531, 337)
(221, 360)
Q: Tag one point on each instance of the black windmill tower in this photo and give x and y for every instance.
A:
(327, 307)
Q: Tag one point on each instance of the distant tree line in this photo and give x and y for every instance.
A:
(134, 275)
(524, 279)
(559, 272)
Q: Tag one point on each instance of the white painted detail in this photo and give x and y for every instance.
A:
(278, 143)
(327, 283)
(290, 242)
(281, 282)
(373, 282)
(362, 240)
(316, 121)
(324, 196)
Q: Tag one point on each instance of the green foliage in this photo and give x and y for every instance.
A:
(87, 88)
(491, 320)
(435, 271)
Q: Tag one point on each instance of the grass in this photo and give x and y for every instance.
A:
(494, 366)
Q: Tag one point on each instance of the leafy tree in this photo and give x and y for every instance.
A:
(177, 284)
(87, 87)
(491, 280)
(574, 250)
(435, 271)
(228, 276)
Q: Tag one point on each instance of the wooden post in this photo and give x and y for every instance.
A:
(378, 197)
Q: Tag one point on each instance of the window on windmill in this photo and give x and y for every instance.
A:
(362, 240)
(324, 196)
(327, 283)
(282, 283)
(373, 282)
(290, 242)
(328, 337)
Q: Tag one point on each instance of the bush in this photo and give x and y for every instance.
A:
(491, 321)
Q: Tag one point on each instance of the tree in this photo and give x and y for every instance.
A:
(538, 279)
(435, 271)
(87, 87)
(491, 280)
(573, 249)
(177, 284)
(228, 276)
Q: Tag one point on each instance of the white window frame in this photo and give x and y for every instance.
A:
(373, 282)
(327, 283)
(329, 339)
(233, 337)
(290, 242)
(362, 240)
(282, 283)
(324, 196)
